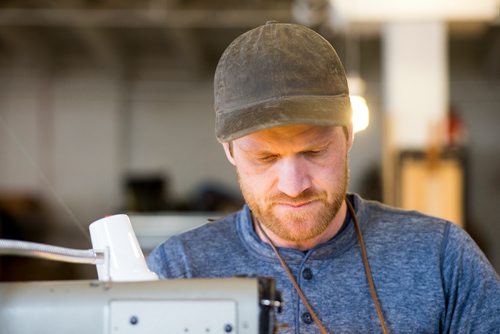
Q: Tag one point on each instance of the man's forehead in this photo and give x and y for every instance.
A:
(289, 134)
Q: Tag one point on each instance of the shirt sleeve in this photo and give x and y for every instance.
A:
(471, 286)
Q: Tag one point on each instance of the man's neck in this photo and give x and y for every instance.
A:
(328, 233)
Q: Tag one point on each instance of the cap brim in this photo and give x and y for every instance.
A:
(313, 110)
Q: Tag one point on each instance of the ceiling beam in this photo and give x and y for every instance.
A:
(169, 18)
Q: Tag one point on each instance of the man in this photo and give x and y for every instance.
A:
(283, 117)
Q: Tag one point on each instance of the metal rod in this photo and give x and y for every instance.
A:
(49, 252)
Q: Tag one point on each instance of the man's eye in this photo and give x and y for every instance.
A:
(313, 152)
(267, 158)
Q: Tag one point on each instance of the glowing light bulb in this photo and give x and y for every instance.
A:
(360, 113)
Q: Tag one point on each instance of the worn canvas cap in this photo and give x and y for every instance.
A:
(279, 74)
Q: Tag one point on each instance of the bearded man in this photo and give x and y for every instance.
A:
(343, 264)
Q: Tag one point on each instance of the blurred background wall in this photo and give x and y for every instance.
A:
(106, 106)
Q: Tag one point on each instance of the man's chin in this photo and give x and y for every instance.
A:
(298, 223)
(299, 233)
(299, 218)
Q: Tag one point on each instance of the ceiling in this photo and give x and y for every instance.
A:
(187, 33)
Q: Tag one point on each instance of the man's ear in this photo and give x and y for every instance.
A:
(350, 137)
(229, 152)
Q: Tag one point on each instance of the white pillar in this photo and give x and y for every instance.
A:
(416, 81)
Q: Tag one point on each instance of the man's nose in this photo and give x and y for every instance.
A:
(293, 177)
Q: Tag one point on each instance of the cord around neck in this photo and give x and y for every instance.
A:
(365, 264)
(292, 279)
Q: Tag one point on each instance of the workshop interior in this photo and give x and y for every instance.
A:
(106, 114)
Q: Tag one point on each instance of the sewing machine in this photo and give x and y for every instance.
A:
(128, 298)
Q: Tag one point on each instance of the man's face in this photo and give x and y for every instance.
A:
(293, 178)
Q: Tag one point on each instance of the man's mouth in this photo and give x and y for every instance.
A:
(297, 205)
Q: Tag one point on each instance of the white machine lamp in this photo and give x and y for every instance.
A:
(115, 251)
(123, 258)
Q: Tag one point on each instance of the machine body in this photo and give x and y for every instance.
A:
(227, 305)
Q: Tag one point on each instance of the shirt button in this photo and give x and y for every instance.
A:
(307, 318)
(307, 274)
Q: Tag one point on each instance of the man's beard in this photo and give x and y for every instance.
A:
(297, 226)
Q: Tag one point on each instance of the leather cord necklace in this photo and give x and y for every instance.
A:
(368, 273)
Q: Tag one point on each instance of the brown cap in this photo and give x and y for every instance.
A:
(279, 74)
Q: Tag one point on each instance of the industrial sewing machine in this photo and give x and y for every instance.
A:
(128, 298)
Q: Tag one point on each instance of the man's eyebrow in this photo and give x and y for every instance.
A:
(256, 150)
(248, 147)
(313, 145)
(321, 143)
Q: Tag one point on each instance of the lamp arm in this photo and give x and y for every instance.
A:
(49, 252)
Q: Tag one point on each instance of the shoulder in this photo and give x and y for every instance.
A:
(205, 236)
(404, 239)
(461, 255)
(432, 238)
(403, 223)
(175, 256)
(211, 234)
(445, 261)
